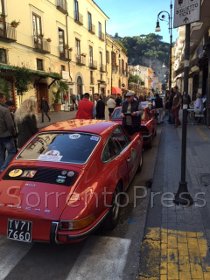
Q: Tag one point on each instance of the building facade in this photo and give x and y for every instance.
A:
(48, 41)
(199, 72)
(117, 66)
(149, 81)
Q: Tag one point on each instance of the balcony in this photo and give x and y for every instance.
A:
(80, 60)
(92, 29)
(93, 65)
(7, 32)
(64, 53)
(101, 36)
(78, 18)
(41, 45)
(103, 68)
(102, 81)
(62, 6)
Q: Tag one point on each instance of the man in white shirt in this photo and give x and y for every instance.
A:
(111, 104)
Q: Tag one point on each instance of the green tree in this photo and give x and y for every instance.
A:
(134, 79)
(4, 87)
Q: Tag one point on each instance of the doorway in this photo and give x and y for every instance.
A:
(42, 91)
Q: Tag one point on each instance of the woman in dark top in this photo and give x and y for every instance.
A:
(26, 121)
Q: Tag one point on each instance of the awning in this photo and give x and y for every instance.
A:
(116, 90)
(9, 68)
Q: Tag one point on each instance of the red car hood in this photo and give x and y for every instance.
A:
(36, 191)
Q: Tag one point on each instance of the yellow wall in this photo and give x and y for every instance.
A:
(116, 78)
(22, 53)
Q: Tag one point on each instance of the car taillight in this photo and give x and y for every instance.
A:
(76, 224)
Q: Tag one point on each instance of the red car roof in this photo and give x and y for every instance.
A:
(91, 126)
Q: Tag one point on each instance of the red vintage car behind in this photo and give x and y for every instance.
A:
(66, 181)
(148, 124)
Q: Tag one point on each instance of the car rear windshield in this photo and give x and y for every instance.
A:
(60, 147)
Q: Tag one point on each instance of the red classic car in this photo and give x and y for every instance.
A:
(67, 180)
(148, 123)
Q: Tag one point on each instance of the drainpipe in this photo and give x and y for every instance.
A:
(67, 39)
(68, 57)
(111, 69)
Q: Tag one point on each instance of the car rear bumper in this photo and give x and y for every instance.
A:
(59, 237)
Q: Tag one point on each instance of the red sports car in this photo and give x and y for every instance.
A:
(148, 124)
(67, 180)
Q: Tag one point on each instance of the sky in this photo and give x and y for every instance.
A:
(136, 17)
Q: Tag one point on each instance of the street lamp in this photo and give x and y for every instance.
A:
(162, 16)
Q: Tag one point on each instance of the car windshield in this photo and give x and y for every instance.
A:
(60, 147)
(116, 115)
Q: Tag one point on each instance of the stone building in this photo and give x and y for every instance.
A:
(43, 42)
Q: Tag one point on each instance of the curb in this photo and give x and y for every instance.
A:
(144, 242)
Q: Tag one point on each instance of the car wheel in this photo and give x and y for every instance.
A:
(140, 164)
(114, 213)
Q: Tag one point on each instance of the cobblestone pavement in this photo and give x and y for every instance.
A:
(177, 238)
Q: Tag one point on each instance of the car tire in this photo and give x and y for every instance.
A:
(113, 216)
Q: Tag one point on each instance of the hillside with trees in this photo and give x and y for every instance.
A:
(148, 50)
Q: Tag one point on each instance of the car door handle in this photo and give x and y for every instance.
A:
(128, 159)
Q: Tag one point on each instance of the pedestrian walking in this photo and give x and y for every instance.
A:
(45, 108)
(131, 113)
(7, 134)
(26, 121)
(170, 103)
(99, 107)
(111, 104)
(177, 101)
(85, 108)
(159, 108)
(73, 100)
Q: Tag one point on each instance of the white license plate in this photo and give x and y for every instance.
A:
(19, 230)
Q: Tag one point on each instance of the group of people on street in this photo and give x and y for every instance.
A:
(16, 128)
(173, 102)
(90, 110)
(131, 109)
(113, 102)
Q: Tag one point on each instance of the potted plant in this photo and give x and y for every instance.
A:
(56, 103)
(58, 91)
(14, 23)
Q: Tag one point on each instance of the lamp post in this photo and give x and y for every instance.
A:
(162, 16)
